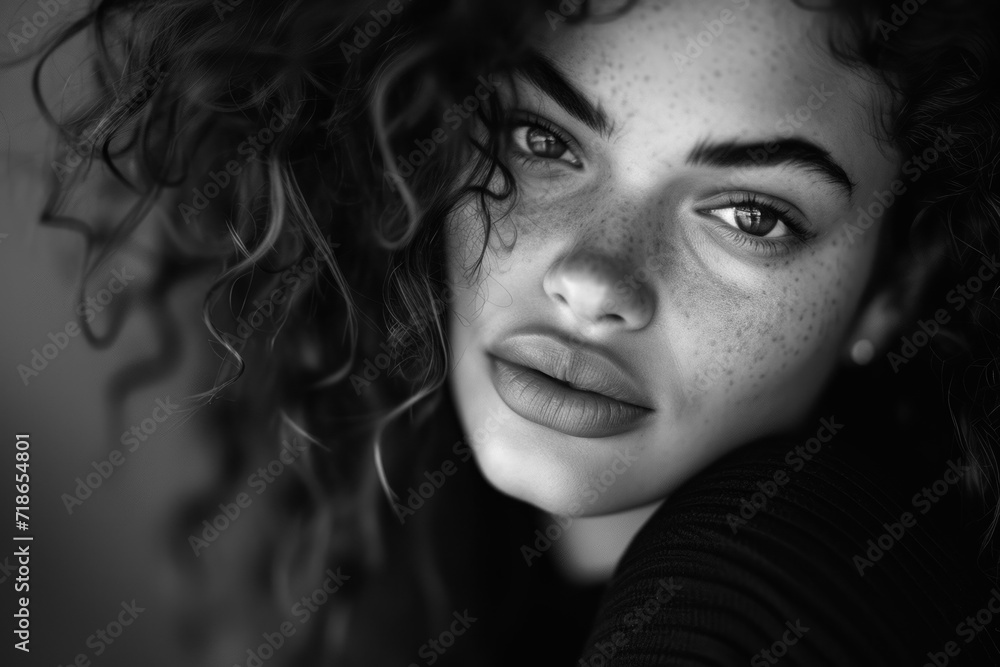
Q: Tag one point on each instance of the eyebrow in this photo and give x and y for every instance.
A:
(793, 151)
(546, 76)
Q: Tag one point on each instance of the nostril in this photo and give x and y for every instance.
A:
(584, 284)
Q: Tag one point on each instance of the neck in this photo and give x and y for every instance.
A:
(591, 547)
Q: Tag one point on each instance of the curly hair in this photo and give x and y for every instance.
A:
(267, 139)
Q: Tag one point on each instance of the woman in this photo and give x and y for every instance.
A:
(640, 250)
(760, 234)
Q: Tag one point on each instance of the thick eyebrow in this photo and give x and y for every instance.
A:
(773, 153)
(546, 76)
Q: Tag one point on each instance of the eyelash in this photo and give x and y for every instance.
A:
(773, 247)
(800, 234)
(521, 119)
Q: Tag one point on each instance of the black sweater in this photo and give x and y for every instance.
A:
(814, 576)
(855, 554)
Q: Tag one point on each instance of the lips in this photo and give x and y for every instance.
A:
(572, 389)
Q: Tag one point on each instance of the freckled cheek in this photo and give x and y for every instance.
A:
(738, 343)
(798, 353)
(516, 239)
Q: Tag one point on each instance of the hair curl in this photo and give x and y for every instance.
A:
(184, 87)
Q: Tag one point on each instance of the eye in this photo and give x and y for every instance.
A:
(757, 218)
(542, 143)
(535, 139)
(764, 227)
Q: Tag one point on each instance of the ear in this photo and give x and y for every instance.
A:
(892, 304)
(871, 336)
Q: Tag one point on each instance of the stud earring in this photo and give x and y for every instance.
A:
(862, 352)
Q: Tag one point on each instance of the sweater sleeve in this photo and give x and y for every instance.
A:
(767, 558)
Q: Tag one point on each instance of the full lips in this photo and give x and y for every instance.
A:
(539, 398)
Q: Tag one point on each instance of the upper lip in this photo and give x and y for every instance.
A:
(582, 366)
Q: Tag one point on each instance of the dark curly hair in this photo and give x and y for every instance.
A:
(261, 139)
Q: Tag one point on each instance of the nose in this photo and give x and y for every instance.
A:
(599, 290)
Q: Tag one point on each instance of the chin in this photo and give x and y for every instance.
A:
(547, 480)
(513, 473)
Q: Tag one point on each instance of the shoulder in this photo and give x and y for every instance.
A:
(799, 550)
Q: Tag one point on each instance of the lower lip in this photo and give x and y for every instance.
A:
(538, 398)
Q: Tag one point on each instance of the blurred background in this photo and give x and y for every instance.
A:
(88, 557)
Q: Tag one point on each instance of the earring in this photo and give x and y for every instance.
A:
(862, 352)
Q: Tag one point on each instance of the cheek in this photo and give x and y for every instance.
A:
(763, 341)
(514, 241)
(464, 237)
(479, 282)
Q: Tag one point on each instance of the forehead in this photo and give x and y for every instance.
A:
(733, 69)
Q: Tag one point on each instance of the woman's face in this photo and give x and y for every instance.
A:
(677, 252)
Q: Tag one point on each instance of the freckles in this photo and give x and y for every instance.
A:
(771, 339)
(534, 226)
(762, 358)
(837, 294)
(749, 344)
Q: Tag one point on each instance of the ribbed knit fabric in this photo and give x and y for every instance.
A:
(703, 584)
